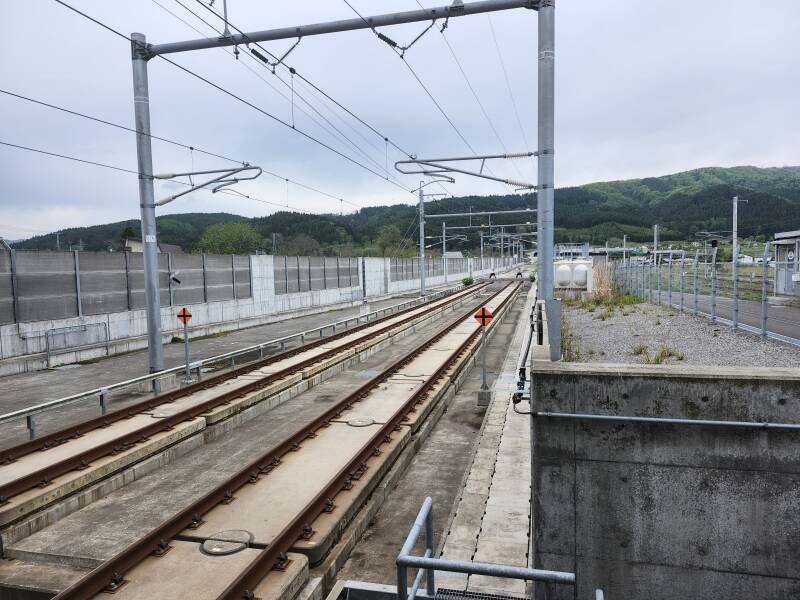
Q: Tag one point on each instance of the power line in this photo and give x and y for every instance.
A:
(280, 62)
(169, 141)
(121, 169)
(258, 61)
(240, 99)
(508, 83)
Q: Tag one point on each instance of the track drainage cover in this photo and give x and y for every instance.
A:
(361, 422)
(227, 542)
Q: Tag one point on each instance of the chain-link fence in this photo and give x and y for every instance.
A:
(37, 286)
(303, 273)
(743, 295)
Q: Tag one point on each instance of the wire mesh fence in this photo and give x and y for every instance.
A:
(743, 295)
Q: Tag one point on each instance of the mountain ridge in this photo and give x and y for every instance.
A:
(682, 203)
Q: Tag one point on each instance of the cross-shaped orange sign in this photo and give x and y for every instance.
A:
(484, 316)
(184, 316)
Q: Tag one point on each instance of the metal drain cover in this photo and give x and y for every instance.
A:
(227, 542)
(361, 422)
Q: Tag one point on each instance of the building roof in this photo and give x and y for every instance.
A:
(785, 235)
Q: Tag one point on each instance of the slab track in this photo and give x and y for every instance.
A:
(297, 360)
(442, 351)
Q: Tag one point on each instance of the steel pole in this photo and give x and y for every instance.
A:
(764, 301)
(187, 375)
(421, 240)
(141, 104)
(714, 286)
(546, 143)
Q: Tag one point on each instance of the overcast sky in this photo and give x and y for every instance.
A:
(643, 87)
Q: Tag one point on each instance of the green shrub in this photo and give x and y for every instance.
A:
(533, 277)
(467, 281)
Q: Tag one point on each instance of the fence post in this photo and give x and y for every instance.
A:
(764, 282)
(250, 272)
(128, 278)
(297, 259)
(714, 286)
(324, 273)
(14, 286)
(309, 271)
(669, 281)
(338, 281)
(233, 275)
(683, 275)
(205, 279)
(696, 269)
(658, 278)
(286, 274)
(76, 259)
(735, 290)
(169, 280)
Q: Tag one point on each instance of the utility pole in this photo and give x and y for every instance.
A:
(144, 155)
(481, 232)
(624, 246)
(422, 239)
(58, 241)
(274, 243)
(655, 239)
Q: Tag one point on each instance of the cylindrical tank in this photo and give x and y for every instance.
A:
(563, 276)
(580, 276)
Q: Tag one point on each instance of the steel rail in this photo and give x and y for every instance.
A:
(82, 460)
(110, 575)
(247, 581)
(59, 402)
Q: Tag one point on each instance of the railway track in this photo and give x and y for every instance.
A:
(283, 365)
(438, 357)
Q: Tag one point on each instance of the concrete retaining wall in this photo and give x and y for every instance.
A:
(23, 345)
(664, 512)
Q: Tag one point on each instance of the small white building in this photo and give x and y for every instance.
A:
(787, 265)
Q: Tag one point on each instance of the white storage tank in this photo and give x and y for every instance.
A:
(573, 275)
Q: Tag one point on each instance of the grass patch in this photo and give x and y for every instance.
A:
(663, 354)
(570, 351)
(615, 299)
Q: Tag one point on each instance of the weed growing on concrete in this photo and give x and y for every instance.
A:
(640, 350)
(570, 352)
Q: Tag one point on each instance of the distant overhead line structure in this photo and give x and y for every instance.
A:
(142, 52)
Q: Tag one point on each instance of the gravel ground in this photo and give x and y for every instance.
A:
(622, 336)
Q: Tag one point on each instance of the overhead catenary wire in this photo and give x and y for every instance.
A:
(508, 83)
(122, 169)
(167, 140)
(263, 61)
(294, 72)
(427, 91)
(240, 99)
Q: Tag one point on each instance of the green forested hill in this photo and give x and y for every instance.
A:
(682, 203)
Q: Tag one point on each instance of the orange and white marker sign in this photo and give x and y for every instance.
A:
(184, 316)
(484, 316)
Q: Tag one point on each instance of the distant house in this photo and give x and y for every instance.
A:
(453, 254)
(134, 245)
(787, 265)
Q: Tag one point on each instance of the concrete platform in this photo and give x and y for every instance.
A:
(491, 518)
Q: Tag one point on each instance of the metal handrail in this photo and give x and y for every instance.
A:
(102, 392)
(427, 564)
